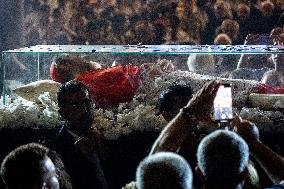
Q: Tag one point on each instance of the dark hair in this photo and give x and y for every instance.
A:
(165, 102)
(72, 86)
(56, 13)
(201, 3)
(23, 165)
(91, 27)
(89, 13)
(117, 21)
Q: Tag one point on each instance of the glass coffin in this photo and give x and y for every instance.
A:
(127, 81)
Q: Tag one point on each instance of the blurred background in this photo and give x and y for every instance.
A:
(40, 22)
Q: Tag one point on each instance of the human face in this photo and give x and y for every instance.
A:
(78, 110)
(243, 11)
(50, 178)
(222, 9)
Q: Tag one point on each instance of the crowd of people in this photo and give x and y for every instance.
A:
(217, 22)
(149, 22)
(73, 158)
(184, 155)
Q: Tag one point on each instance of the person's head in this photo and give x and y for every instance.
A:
(222, 39)
(202, 4)
(267, 8)
(29, 167)
(276, 31)
(223, 10)
(222, 159)
(279, 4)
(273, 78)
(243, 11)
(231, 28)
(173, 99)
(75, 105)
(164, 170)
(201, 63)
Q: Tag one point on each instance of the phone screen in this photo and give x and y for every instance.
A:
(223, 103)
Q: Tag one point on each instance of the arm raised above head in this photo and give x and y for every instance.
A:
(197, 109)
(270, 161)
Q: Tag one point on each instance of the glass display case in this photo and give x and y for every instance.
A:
(29, 64)
(137, 74)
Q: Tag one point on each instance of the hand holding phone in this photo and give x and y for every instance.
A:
(223, 111)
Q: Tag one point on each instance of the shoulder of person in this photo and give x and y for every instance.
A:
(57, 135)
(277, 186)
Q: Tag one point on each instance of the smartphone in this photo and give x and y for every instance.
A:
(223, 111)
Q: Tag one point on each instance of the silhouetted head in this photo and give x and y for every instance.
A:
(173, 99)
(222, 159)
(164, 170)
(29, 167)
(75, 105)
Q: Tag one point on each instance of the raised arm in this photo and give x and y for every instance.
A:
(197, 109)
(270, 161)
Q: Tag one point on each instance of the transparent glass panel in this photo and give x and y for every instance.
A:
(29, 72)
(25, 65)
